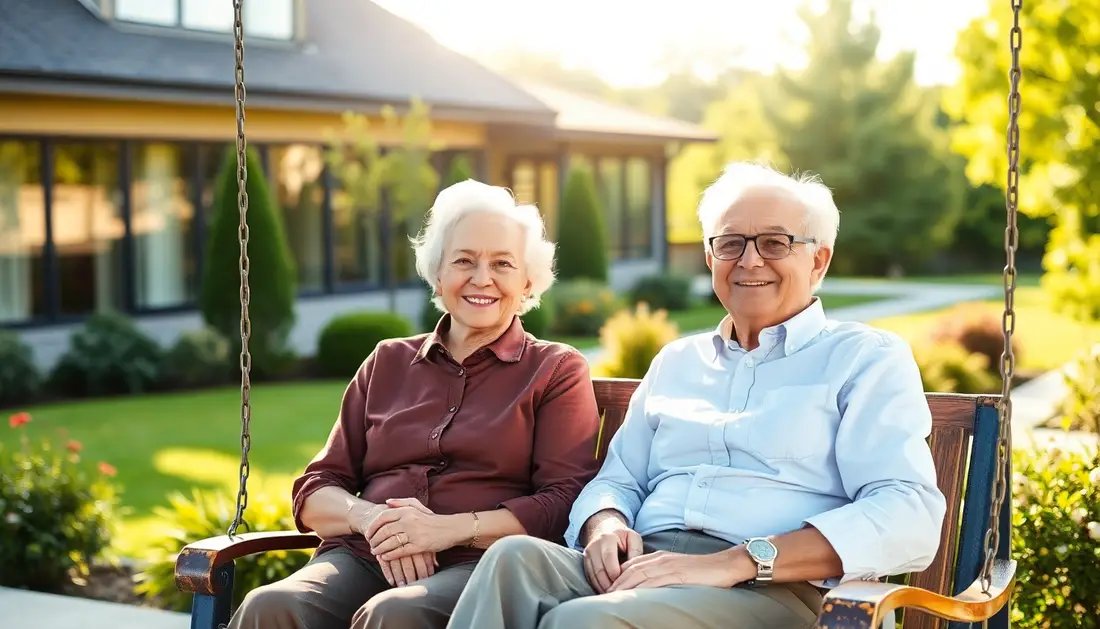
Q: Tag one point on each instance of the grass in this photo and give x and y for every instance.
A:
(165, 443)
(1047, 340)
(989, 279)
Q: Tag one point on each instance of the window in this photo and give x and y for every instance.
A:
(357, 237)
(548, 197)
(269, 19)
(22, 232)
(88, 228)
(639, 203)
(163, 226)
(297, 177)
(610, 185)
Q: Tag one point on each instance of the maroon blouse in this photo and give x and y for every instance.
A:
(513, 426)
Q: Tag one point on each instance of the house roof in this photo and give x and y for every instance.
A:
(580, 115)
(354, 50)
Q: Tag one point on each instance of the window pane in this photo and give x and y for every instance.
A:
(269, 18)
(611, 193)
(548, 197)
(165, 269)
(524, 186)
(211, 160)
(357, 239)
(22, 232)
(88, 226)
(638, 203)
(209, 15)
(299, 190)
(159, 12)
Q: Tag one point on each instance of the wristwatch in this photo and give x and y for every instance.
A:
(763, 552)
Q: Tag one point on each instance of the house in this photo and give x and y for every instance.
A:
(114, 115)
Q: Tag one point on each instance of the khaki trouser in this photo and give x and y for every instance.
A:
(527, 583)
(338, 590)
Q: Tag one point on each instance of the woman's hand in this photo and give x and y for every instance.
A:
(402, 570)
(408, 528)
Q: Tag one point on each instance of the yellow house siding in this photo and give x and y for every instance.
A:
(88, 117)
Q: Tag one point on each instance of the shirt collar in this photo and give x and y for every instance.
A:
(796, 332)
(508, 347)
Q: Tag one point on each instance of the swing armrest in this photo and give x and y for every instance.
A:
(862, 604)
(197, 562)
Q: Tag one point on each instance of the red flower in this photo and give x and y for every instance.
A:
(74, 446)
(107, 469)
(19, 419)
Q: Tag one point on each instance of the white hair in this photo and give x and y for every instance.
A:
(455, 202)
(821, 219)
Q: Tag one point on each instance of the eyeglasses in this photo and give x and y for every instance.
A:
(770, 246)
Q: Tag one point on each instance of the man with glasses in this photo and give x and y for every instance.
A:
(758, 464)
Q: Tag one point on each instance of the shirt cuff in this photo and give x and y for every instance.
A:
(589, 504)
(856, 540)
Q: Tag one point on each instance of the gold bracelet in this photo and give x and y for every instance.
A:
(477, 529)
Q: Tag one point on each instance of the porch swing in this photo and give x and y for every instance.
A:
(972, 576)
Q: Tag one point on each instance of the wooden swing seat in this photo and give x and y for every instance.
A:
(964, 446)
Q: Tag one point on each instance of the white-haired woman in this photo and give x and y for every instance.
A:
(445, 442)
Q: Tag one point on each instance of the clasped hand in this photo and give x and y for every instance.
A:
(653, 570)
(405, 536)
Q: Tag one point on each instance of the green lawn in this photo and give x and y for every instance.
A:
(162, 443)
(1047, 340)
(993, 279)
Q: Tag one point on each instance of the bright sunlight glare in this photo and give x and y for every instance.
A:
(627, 42)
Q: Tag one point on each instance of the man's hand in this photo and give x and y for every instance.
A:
(660, 569)
(607, 539)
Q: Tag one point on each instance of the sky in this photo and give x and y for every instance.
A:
(620, 39)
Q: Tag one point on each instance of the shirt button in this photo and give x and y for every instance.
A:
(453, 409)
(442, 464)
(461, 372)
(434, 435)
(702, 483)
(749, 363)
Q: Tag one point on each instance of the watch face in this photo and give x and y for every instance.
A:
(761, 549)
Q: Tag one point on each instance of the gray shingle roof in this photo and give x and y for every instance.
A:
(353, 49)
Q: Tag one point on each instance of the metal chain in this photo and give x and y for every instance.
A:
(1008, 359)
(243, 266)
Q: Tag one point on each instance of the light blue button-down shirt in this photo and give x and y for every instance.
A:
(825, 423)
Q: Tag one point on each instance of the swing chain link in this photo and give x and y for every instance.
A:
(1008, 359)
(243, 266)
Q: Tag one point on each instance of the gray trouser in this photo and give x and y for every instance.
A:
(338, 590)
(527, 583)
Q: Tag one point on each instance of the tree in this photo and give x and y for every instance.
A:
(460, 170)
(393, 189)
(1059, 132)
(582, 240)
(865, 127)
(272, 276)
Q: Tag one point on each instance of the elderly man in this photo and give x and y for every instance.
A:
(758, 464)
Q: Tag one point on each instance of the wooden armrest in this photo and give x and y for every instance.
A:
(197, 562)
(862, 604)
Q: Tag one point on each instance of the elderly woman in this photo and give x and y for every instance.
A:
(445, 442)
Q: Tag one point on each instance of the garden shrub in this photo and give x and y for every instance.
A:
(19, 377)
(199, 358)
(459, 171)
(1080, 409)
(631, 340)
(56, 514)
(581, 307)
(108, 355)
(272, 276)
(1056, 539)
(665, 291)
(950, 368)
(348, 339)
(209, 514)
(978, 330)
(582, 235)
